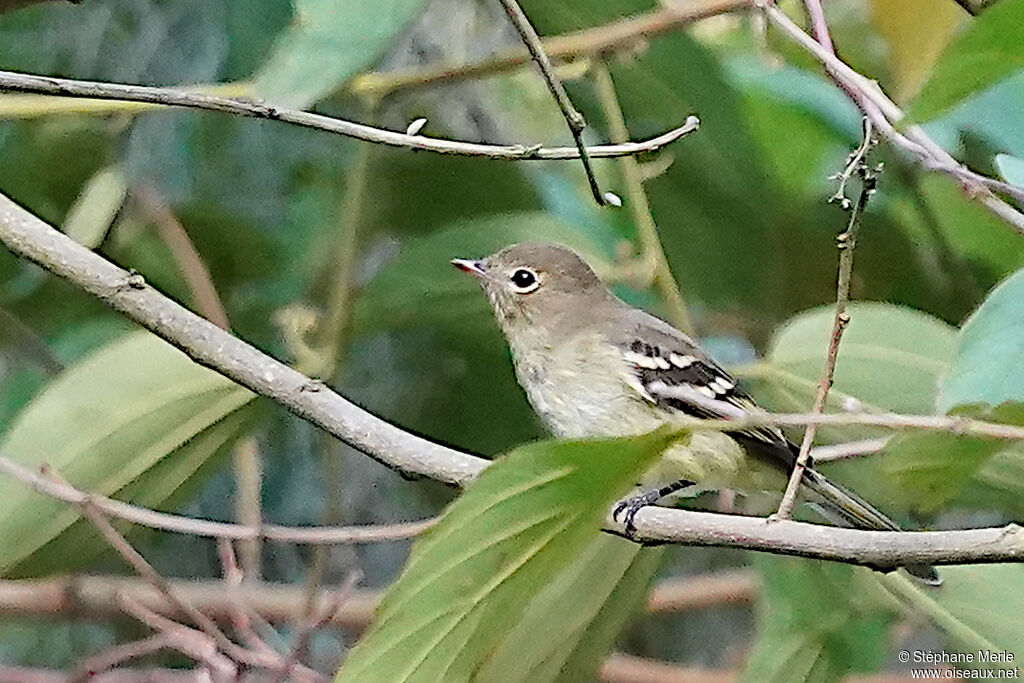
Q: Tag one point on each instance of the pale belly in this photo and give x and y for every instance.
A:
(574, 401)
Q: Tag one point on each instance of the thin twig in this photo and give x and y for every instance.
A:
(846, 243)
(245, 456)
(173, 97)
(885, 115)
(622, 34)
(190, 264)
(117, 655)
(194, 644)
(312, 535)
(849, 449)
(240, 612)
(317, 621)
(590, 42)
(208, 629)
(572, 117)
(248, 471)
(647, 231)
(137, 562)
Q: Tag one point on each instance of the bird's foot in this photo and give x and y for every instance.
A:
(627, 509)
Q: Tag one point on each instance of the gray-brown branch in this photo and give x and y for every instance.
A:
(29, 237)
(174, 97)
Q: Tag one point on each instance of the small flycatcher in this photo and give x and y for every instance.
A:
(592, 365)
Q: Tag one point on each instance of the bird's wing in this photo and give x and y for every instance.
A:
(661, 356)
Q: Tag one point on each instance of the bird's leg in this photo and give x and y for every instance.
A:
(630, 506)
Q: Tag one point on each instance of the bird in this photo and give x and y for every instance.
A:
(591, 365)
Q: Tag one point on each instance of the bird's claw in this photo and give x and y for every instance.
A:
(627, 509)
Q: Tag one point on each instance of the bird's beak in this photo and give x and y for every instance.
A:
(470, 266)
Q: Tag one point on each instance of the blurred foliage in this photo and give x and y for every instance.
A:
(327, 43)
(989, 50)
(741, 211)
(819, 622)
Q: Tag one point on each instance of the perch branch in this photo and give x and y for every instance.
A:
(31, 238)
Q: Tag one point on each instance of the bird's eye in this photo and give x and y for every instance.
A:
(524, 280)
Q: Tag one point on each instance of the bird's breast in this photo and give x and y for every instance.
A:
(580, 388)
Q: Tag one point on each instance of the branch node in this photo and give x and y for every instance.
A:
(132, 281)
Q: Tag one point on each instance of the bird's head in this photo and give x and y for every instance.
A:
(525, 282)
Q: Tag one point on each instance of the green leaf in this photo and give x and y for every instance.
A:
(931, 468)
(915, 33)
(987, 367)
(104, 424)
(992, 48)
(169, 482)
(1011, 168)
(817, 621)
(969, 229)
(978, 607)
(469, 579)
(326, 44)
(420, 286)
(891, 357)
(91, 215)
(999, 485)
(605, 584)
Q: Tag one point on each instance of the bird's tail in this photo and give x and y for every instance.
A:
(845, 508)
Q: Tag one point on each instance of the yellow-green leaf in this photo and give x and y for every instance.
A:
(978, 607)
(470, 579)
(930, 469)
(891, 358)
(104, 424)
(91, 215)
(916, 32)
(991, 49)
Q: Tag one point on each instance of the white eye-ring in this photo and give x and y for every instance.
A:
(524, 280)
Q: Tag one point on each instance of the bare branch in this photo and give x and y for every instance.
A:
(875, 549)
(849, 449)
(95, 596)
(596, 41)
(173, 97)
(703, 590)
(846, 243)
(192, 643)
(117, 655)
(312, 535)
(572, 117)
(27, 236)
(643, 218)
(137, 562)
(885, 115)
(316, 621)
